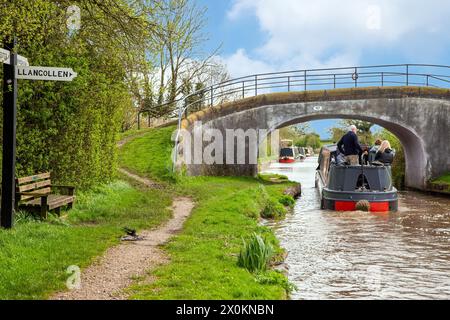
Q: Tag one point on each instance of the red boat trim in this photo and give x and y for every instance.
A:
(351, 206)
(344, 205)
(379, 206)
(287, 160)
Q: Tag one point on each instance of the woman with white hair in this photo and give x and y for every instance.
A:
(385, 154)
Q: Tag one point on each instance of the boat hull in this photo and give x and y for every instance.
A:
(346, 201)
(381, 201)
(343, 185)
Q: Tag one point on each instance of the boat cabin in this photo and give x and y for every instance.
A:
(343, 185)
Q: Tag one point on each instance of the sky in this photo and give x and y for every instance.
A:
(259, 36)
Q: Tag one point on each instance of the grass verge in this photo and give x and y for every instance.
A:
(34, 255)
(441, 184)
(204, 255)
(149, 155)
(443, 179)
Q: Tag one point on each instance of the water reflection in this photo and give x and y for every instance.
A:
(358, 255)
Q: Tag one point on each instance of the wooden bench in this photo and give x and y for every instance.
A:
(36, 194)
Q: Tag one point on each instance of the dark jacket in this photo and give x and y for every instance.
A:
(386, 157)
(350, 144)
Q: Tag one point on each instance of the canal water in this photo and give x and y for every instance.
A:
(360, 255)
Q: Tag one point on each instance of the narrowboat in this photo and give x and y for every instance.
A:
(287, 152)
(301, 153)
(343, 186)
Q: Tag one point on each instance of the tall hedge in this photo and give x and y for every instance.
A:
(69, 128)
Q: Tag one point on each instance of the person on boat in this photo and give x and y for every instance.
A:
(385, 154)
(349, 146)
(373, 150)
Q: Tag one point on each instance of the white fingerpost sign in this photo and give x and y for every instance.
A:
(5, 55)
(45, 73)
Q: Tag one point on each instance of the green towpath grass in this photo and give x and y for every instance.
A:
(34, 256)
(203, 257)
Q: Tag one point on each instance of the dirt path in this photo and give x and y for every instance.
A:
(145, 181)
(107, 278)
(122, 142)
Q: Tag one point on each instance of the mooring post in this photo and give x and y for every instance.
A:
(9, 138)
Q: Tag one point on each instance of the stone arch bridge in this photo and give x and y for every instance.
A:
(418, 115)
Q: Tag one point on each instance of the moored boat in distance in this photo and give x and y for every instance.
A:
(344, 187)
(287, 152)
(301, 153)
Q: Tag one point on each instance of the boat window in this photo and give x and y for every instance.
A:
(286, 152)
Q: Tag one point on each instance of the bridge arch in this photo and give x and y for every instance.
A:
(414, 147)
(418, 116)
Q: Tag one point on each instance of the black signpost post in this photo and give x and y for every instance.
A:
(9, 138)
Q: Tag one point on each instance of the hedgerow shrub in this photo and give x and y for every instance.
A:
(68, 128)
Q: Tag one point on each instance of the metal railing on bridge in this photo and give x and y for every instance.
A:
(426, 75)
(314, 79)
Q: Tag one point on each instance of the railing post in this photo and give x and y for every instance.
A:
(334, 81)
(243, 89)
(356, 77)
(256, 85)
(428, 80)
(305, 79)
(382, 79)
(289, 84)
(407, 75)
(175, 151)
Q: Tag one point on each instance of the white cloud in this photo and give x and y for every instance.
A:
(240, 64)
(306, 34)
(373, 21)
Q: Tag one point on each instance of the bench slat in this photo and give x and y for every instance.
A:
(61, 202)
(40, 191)
(54, 201)
(36, 177)
(25, 198)
(34, 186)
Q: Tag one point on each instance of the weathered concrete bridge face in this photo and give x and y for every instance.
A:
(418, 116)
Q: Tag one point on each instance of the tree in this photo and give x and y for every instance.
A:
(337, 133)
(362, 126)
(302, 128)
(195, 95)
(71, 128)
(309, 140)
(364, 129)
(177, 42)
